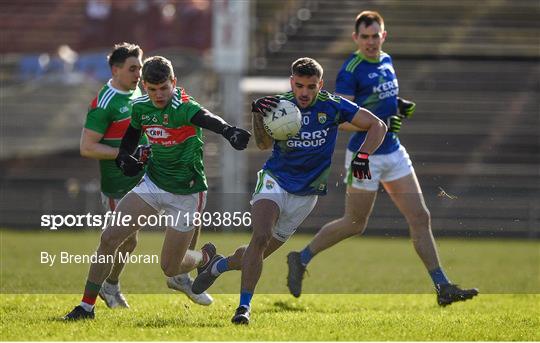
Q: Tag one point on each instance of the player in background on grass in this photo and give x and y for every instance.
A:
(174, 182)
(108, 117)
(294, 176)
(368, 78)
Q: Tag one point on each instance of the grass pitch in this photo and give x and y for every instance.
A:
(278, 318)
(372, 289)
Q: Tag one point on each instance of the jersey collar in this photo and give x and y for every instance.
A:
(372, 60)
(109, 84)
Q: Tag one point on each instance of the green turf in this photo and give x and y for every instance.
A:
(371, 270)
(278, 317)
(358, 265)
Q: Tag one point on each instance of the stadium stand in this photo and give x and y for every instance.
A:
(473, 70)
(35, 26)
(471, 67)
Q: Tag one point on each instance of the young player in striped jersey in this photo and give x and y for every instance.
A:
(368, 78)
(108, 117)
(294, 176)
(174, 182)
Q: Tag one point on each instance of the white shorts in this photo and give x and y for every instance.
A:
(108, 203)
(384, 168)
(293, 209)
(178, 206)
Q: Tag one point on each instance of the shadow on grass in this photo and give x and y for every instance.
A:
(282, 306)
(60, 319)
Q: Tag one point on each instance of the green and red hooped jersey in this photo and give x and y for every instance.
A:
(109, 113)
(176, 164)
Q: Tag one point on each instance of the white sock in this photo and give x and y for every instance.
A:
(87, 307)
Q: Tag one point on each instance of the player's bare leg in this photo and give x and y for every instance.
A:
(184, 283)
(128, 246)
(235, 260)
(405, 192)
(195, 238)
(407, 195)
(110, 290)
(111, 238)
(358, 207)
(264, 214)
(175, 256)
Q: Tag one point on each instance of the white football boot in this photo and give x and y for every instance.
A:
(183, 283)
(112, 295)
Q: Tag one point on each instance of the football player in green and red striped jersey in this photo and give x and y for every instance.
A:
(108, 117)
(174, 182)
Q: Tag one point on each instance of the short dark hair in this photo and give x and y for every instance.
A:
(121, 52)
(368, 18)
(307, 66)
(157, 69)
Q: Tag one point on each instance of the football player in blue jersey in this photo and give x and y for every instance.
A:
(295, 174)
(368, 78)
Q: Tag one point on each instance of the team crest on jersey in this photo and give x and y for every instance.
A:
(269, 184)
(165, 119)
(322, 117)
(124, 109)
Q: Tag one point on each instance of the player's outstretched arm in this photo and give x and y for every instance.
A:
(346, 126)
(238, 137)
(91, 147)
(376, 129)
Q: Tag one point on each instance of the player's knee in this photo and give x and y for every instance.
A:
(109, 242)
(420, 219)
(358, 226)
(260, 240)
(355, 225)
(129, 244)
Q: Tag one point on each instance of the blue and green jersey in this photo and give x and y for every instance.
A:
(374, 85)
(301, 164)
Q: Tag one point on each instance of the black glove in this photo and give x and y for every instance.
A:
(128, 164)
(406, 107)
(238, 137)
(264, 104)
(360, 166)
(142, 153)
(394, 123)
